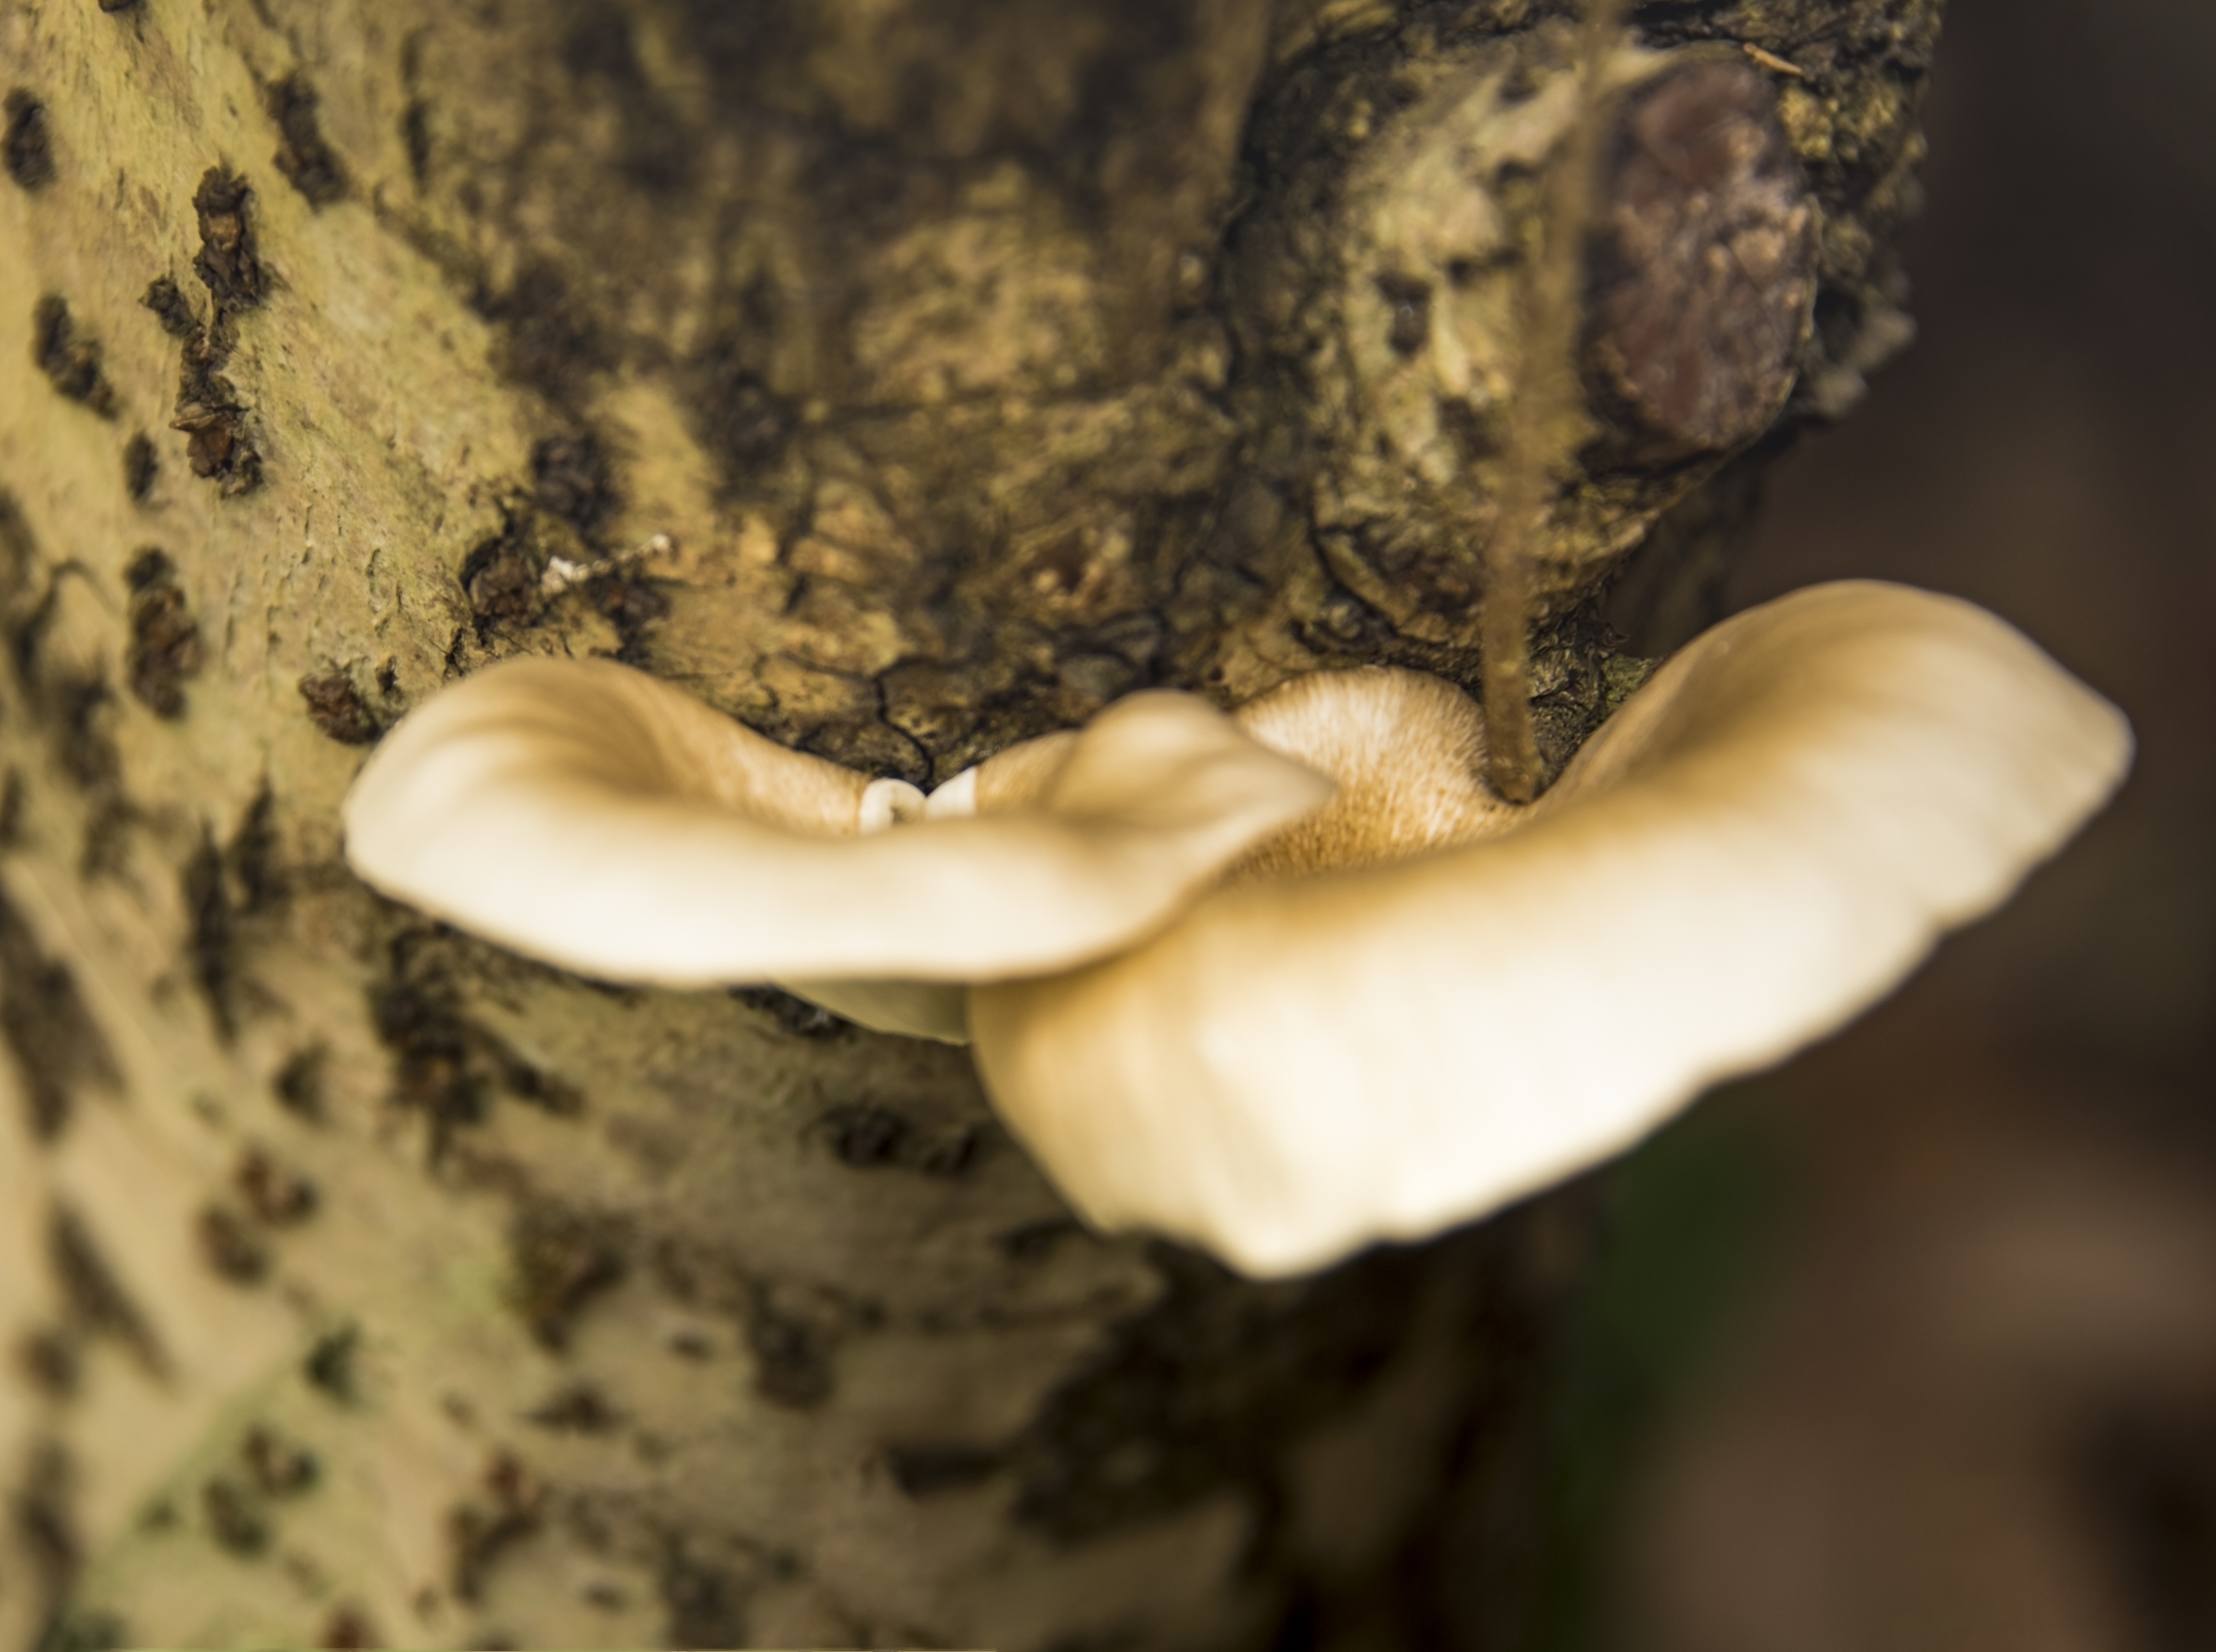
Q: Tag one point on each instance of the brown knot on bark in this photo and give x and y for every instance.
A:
(1703, 264)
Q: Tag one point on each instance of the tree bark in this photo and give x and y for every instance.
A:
(905, 380)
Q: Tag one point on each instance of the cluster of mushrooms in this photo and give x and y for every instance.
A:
(1290, 980)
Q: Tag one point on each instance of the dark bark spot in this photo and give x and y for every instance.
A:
(48, 1360)
(347, 1630)
(631, 605)
(171, 307)
(1036, 1241)
(117, 5)
(501, 575)
(560, 1260)
(233, 1520)
(279, 1197)
(742, 424)
(228, 1244)
(653, 152)
(277, 1466)
(20, 560)
(219, 448)
(209, 948)
(956, 1155)
(415, 139)
(208, 409)
(165, 643)
(706, 1604)
(94, 1299)
(14, 797)
(1204, 1389)
(1410, 298)
(150, 569)
(332, 1364)
(477, 1531)
(27, 146)
(579, 1409)
(45, 1523)
(106, 838)
(540, 1089)
(58, 1049)
(82, 711)
(796, 1017)
(866, 1136)
(552, 342)
(302, 155)
(1703, 264)
(335, 706)
(76, 709)
(434, 1074)
(928, 1470)
(226, 262)
(571, 478)
(504, 574)
(446, 1066)
(792, 1354)
(251, 855)
(69, 360)
(299, 1084)
(874, 748)
(871, 1137)
(141, 464)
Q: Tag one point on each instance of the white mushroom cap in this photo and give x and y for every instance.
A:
(597, 818)
(1765, 839)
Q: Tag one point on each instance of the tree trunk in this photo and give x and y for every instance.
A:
(905, 379)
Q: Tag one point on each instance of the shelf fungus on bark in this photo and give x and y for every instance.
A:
(590, 815)
(1419, 1005)
(1222, 997)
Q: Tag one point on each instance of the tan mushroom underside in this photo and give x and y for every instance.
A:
(596, 818)
(1764, 839)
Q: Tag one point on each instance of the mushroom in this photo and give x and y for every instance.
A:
(1222, 997)
(594, 817)
(1416, 1004)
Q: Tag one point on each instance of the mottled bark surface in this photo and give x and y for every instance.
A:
(905, 380)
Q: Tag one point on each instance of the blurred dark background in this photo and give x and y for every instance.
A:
(1913, 1344)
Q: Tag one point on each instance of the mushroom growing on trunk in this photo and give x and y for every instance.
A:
(1289, 982)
